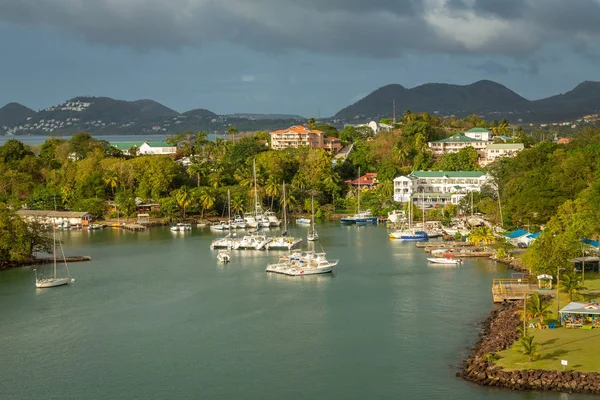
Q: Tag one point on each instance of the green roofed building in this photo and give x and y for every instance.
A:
(438, 187)
(478, 133)
(455, 143)
(126, 146)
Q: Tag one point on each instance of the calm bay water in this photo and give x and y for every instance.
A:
(154, 316)
(34, 140)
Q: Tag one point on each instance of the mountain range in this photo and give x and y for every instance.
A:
(487, 98)
(103, 115)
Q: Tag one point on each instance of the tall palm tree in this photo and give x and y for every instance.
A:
(528, 346)
(272, 190)
(183, 198)
(570, 283)
(232, 131)
(237, 204)
(111, 181)
(207, 199)
(538, 307)
(482, 235)
(198, 169)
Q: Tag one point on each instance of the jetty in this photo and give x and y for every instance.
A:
(441, 245)
(504, 290)
(71, 259)
(134, 227)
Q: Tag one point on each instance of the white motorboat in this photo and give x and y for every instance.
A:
(54, 280)
(272, 218)
(396, 216)
(223, 256)
(303, 221)
(221, 226)
(284, 242)
(312, 232)
(180, 227)
(226, 242)
(444, 260)
(409, 233)
(239, 222)
(251, 221)
(308, 263)
(252, 242)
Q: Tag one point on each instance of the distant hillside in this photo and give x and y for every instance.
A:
(486, 98)
(106, 116)
(200, 113)
(13, 113)
(266, 116)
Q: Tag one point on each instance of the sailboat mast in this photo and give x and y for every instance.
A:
(312, 211)
(229, 207)
(54, 247)
(423, 200)
(358, 208)
(255, 189)
(284, 214)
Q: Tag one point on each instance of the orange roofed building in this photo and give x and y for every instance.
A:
(301, 136)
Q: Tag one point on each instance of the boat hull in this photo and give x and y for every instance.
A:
(347, 221)
(283, 244)
(48, 283)
(444, 261)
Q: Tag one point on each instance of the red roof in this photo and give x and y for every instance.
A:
(368, 179)
(298, 129)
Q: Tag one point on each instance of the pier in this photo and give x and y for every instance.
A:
(133, 227)
(45, 260)
(514, 289)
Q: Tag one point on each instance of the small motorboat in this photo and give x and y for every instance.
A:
(445, 260)
(224, 256)
(303, 221)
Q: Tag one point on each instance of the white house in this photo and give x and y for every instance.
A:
(438, 187)
(157, 148)
(521, 236)
(455, 143)
(56, 217)
(493, 151)
(478, 133)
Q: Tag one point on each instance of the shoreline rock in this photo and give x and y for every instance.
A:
(499, 333)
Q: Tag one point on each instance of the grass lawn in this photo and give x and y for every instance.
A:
(577, 346)
(592, 281)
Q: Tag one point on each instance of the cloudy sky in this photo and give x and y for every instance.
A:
(307, 57)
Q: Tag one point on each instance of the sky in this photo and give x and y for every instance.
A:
(309, 57)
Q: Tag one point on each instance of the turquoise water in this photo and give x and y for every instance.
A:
(154, 316)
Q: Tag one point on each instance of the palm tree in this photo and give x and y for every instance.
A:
(237, 204)
(570, 283)
(272, 190)
(198, 169)
(408, 116)
(112, 181)
(183, 197)
(538, 307)
(207, 199)
(482, 235)
(528, 346)
(232, 131)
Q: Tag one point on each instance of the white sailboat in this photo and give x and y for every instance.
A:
(410, 233)
(312, 232)
(54, 280)
(361, 217)
(284, 241)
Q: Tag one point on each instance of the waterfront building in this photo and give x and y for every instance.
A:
(494, 151)
(301, 136)
(438, 187)
(521, 236)
(62, 218)
(455, 143)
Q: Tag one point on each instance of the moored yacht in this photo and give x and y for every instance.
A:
(272, 218)
(307, 263)
(252, 242)
(226, 242)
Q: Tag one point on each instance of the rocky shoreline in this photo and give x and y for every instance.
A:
(499, 333)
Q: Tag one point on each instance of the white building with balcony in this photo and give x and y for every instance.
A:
(455, 143)
(438, 187)
(478, 133)
(495, 151)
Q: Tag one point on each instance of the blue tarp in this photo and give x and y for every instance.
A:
(593, 243)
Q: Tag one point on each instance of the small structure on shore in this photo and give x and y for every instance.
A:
(581, 315)
(544, 282)
(55, 218)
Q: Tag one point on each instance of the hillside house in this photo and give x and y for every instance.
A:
(301, 136)
(368, 180)
(149, 148)
(494, 151)
(455, 143)
(438, 187)
(479, 134)
(521, 236)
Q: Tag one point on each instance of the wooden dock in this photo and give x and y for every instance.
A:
(441, 245)
(515, 289)
(134, 227)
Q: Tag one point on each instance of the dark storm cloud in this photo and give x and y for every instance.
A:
(379, 28)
